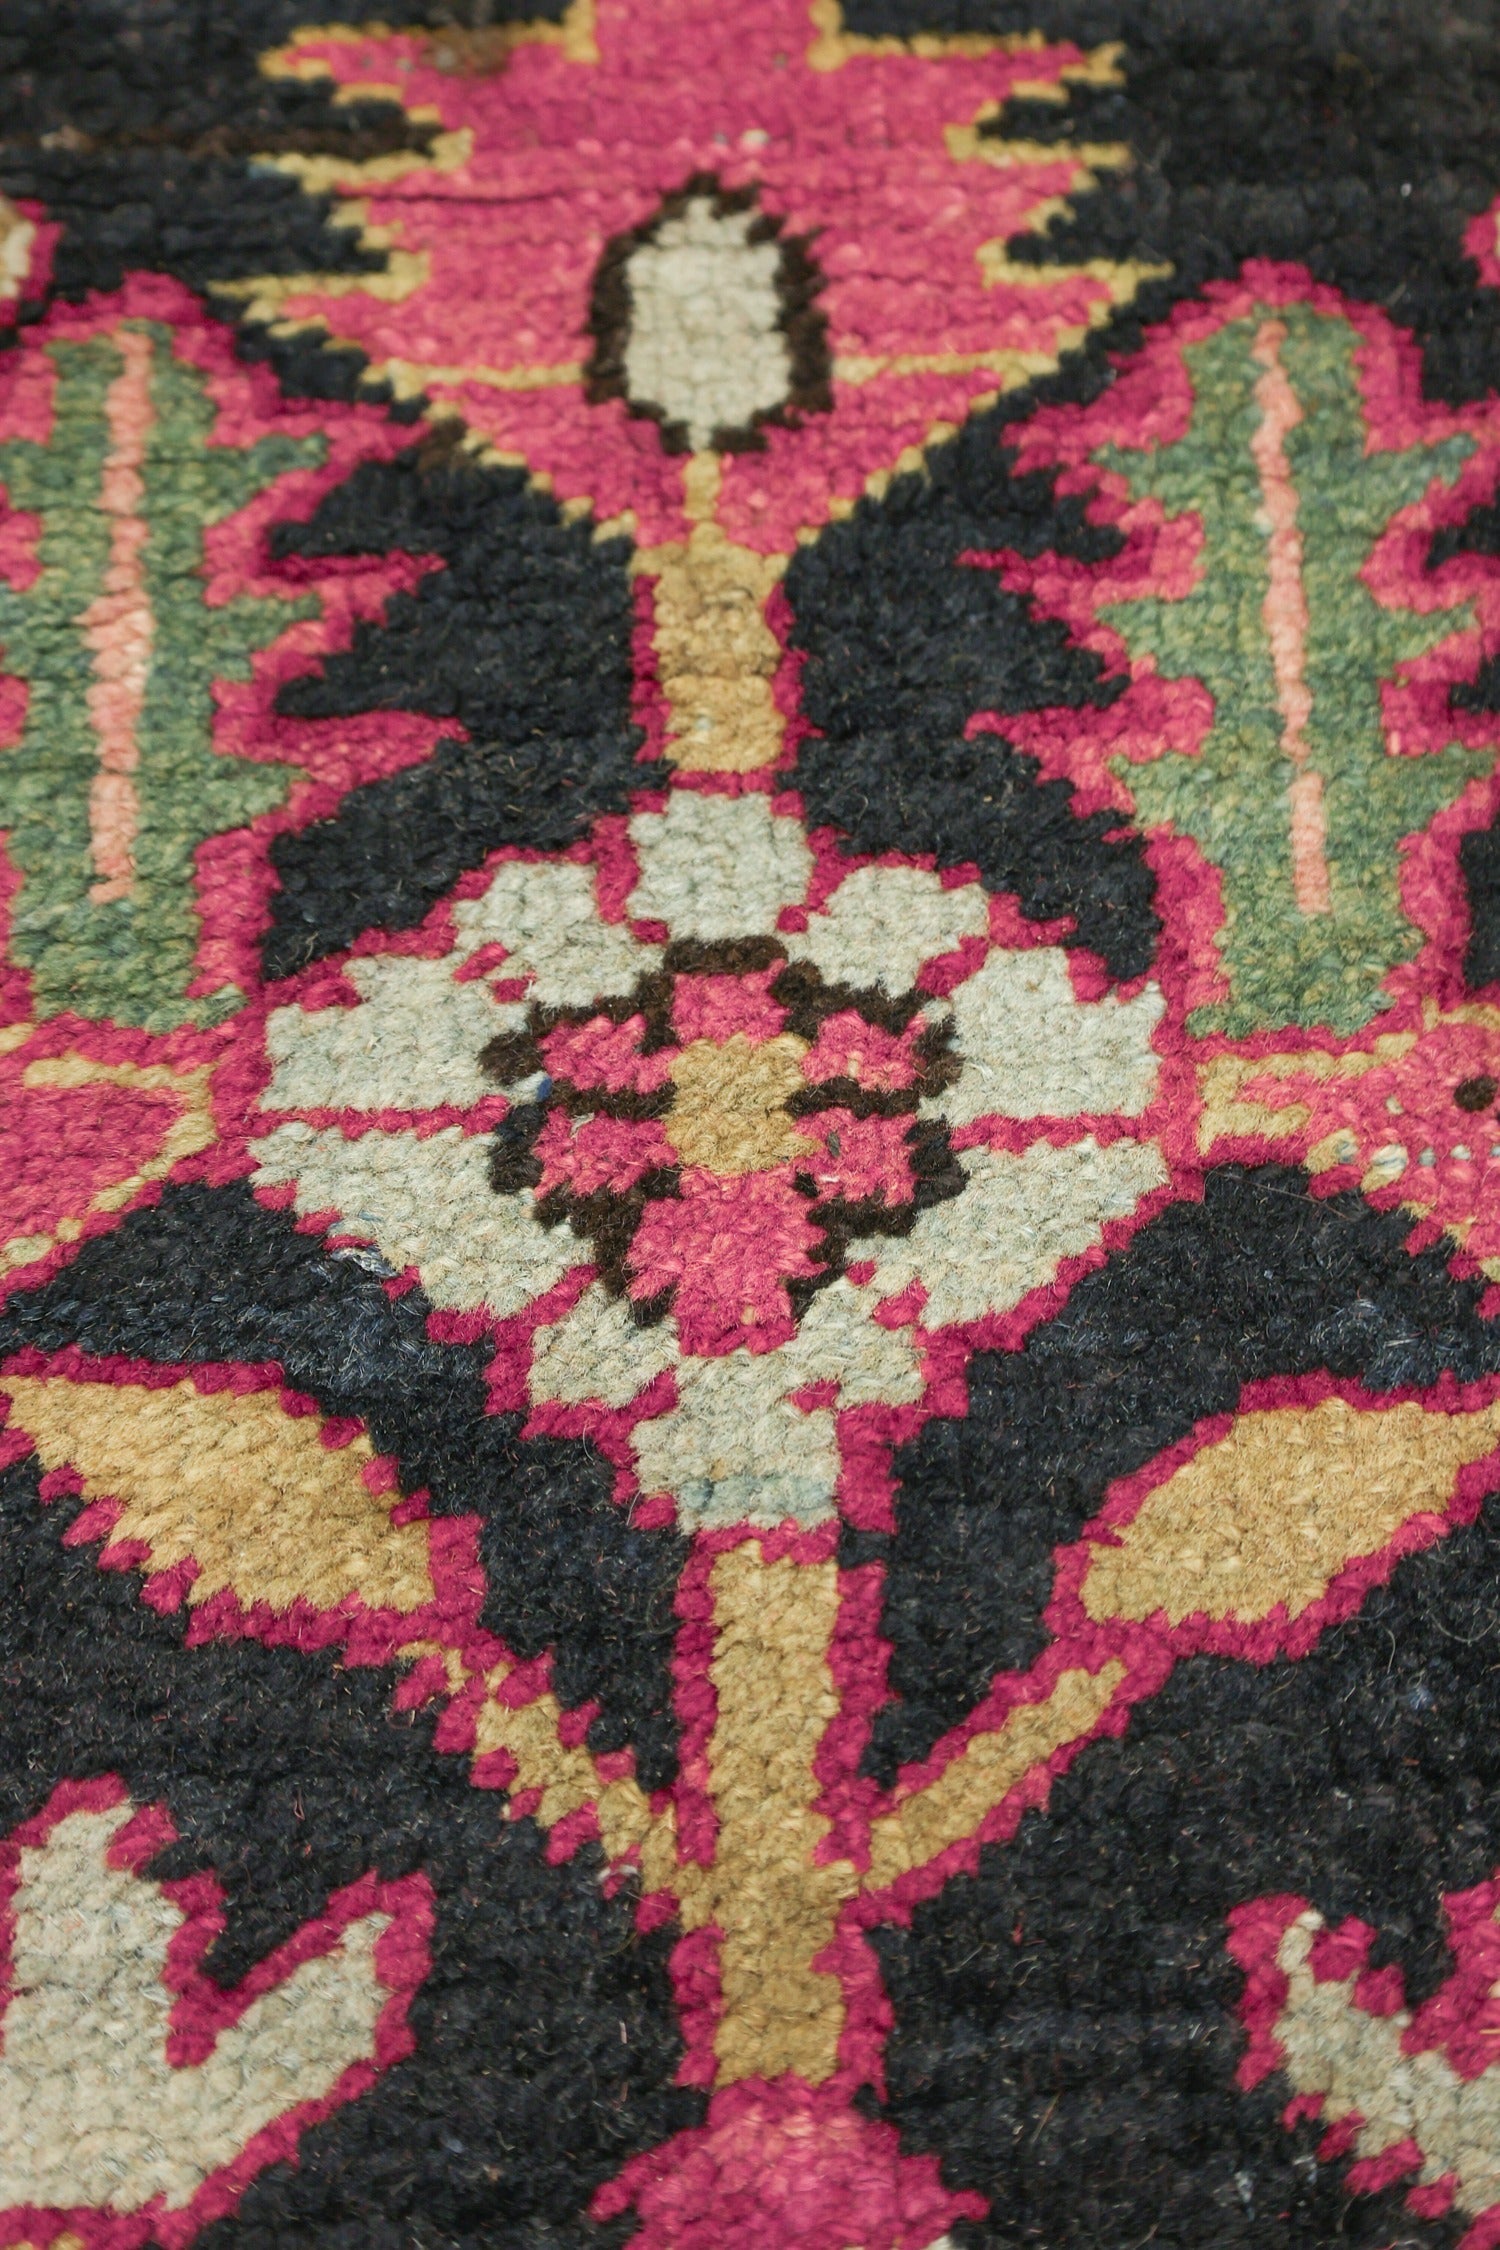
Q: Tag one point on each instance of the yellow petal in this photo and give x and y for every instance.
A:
(230, 1479)
(1275, 1510)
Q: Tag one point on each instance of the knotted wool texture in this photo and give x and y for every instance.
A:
(749, 1125)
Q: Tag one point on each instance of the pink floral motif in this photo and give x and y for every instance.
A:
(726, 1248)
(599, 1155)
(868, 153)
(711, 1194)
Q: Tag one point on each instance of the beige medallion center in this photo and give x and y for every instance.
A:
(729, 1110)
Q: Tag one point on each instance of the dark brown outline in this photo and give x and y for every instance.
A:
(608, 1222)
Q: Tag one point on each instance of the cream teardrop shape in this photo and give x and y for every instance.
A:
(705, 346)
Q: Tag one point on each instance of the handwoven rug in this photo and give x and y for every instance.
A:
(750, 1125)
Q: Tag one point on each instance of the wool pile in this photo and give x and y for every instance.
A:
(749, 1125)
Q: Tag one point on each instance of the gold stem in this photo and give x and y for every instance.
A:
(949, 1810)
(716, 655)
(768, 1900)
(776, 1909)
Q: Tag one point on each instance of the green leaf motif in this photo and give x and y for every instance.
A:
(115, 782)
(1295, 796)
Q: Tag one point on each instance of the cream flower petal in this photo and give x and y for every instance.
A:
(1014, 1224)
(718, 867)
(414, 1041)
(839, 1342)
(1032, 1048)
(426, 1202)
(882, 923)
(546, 916)
(736, 1450)
(598, 1351)
(707, 339)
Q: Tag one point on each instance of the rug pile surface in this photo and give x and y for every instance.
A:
(749, 1125)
